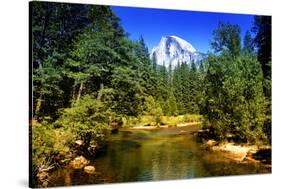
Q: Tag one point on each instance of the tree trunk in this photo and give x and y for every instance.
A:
(100, 91)
(80, 91)
(73, 94)
(38, 105)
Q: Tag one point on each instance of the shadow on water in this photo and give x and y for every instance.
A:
(264, 155)
(164, 154)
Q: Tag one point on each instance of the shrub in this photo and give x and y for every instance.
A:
(47, 144)
(88, 119)
(153, 108)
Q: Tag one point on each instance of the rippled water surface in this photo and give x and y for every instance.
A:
(164, 154)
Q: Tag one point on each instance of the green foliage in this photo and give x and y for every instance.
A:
(130, 121)
(151, 107)
(263, 39)
(186, 88)
(192, 118)
(88, 119)
(174, 120)
(172, 105)
(144, 120)
(235, 102)
(47, 95)
(77, 44)
(54, 27)
(47, 143)
(234, 97)
(42, 143)
(248, 43)
(227, 38)
(154, 62)
(127, 92)
(263, 29)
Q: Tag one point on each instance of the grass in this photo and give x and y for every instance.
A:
(174, 120)
(165, 120)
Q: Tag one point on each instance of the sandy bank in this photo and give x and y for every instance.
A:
(241, 153)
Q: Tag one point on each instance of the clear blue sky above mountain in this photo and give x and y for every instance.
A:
(194, 27)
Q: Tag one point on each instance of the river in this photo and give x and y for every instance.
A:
(150, 155)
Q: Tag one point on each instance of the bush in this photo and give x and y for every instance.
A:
(88, 120)
(174, 120)
(130, 121)
(47, 144)
(192, 118)
(153, 108)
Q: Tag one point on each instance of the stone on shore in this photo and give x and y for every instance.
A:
(79, 162)
(232, 151)
(211, 143)
(89, 169)
(79, 142)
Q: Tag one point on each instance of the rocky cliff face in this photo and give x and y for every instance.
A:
(173, 50)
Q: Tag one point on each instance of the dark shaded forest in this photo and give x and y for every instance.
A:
(89, 77)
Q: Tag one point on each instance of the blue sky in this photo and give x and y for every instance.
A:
(195, 27)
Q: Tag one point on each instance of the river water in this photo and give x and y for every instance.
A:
(143, 155)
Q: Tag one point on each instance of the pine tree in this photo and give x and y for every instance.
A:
(154, 62)
(193, 89)
(172, 105)
(178, 85)
(262, 29)
(227, 38)
(263, 39)
(248, 43)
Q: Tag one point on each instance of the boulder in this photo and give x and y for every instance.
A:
(203, 134)
(79, 142)
(79, 162)
(89, 169)
(232, 151)
(211, 143)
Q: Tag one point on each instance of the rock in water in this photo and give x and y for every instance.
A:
(89, 169)
(79, 162)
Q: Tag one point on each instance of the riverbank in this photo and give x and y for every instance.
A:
(164, 126)
(149, 122)
(241, 153)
